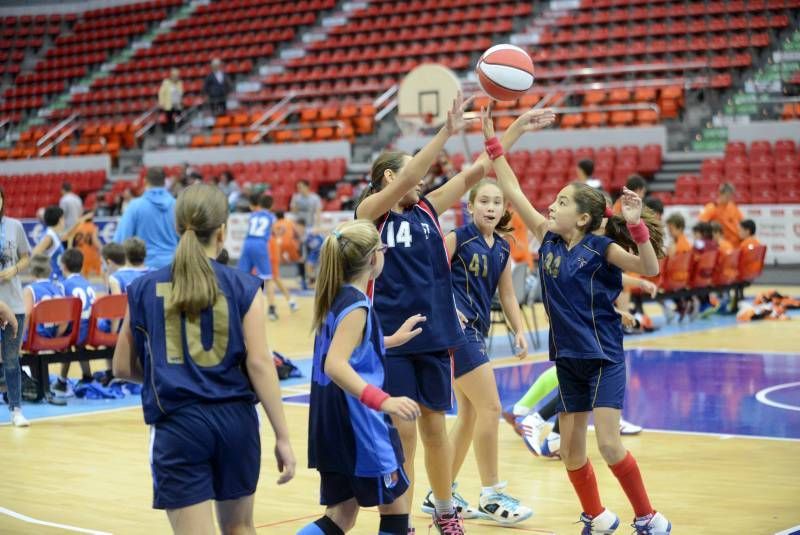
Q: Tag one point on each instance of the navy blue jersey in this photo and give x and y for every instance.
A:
(344, 435)
(579, 288)
(476, 274)
(416, 279)
(191, 360)
(260, 227)
(42, 290)
(77, 286)
(125, 276)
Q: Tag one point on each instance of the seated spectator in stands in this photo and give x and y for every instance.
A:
(656, 205)
(703, 238)
(676, 224)
(170, 98)
(135, 254)
(76, 286)
(42, 288)
(724, 245)
(217, 86)
(584, 172)
(87, 240)
(725, 212)
(636, 184)
(747, 233)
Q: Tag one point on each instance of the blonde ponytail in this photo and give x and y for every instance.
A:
(200, 211)
(346, 254)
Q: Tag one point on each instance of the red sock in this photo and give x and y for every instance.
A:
(585, 483)
(627, 472)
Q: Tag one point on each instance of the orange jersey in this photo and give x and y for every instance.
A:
(275, 256)
(286, 235)
(728, 216)
(518, 241)
(84, 240)
(682, 244)
(725, 246)
(749, 243)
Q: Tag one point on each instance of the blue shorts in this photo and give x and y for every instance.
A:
(255, 255)
(368, 491)
(426, 378)
(205, 452)
(469, 356)
(584, 384)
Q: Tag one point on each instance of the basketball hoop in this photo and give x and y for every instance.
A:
(414, 123)
(425, 96)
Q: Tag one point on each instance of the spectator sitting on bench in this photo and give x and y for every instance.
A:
(747, 232)
(75, 285)
(114, 259)
(724, 245)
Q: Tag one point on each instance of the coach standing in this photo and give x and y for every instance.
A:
(151, 217)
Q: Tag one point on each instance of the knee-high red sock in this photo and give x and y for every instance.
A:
(627, 472)
(585, 483)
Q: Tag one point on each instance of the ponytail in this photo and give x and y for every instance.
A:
(199, 213)
(617, 230)
(346, 254)
(389, 160)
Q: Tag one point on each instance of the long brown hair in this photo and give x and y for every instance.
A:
(504, 225)
(199, 213)
(346, 254)
(387, 161)
(591, 201)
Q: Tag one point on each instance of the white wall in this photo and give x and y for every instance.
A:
(769, 130)
(56, 164)
(250, 153)
(554, 139)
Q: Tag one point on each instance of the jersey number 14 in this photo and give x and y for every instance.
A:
(403, 234)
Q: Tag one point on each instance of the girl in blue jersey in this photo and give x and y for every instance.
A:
(255, 250)
(195, 331)
(479, 261)
(416, 280)
(581, 276)
(353, 446)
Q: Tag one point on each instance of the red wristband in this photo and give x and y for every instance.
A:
(373, 397)
(639, 232)
(493, 148)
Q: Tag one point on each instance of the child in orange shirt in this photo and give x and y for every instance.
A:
(676, 224)
(725, 246)
(747, 233)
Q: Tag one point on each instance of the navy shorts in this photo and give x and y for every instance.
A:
(255, 255)
(368, 491)
(584, 384)
(469, 356)
(426, 378)
(205, 452)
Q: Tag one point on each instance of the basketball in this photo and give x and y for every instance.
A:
(505, 72)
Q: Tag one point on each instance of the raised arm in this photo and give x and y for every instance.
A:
(646, 262)
(507, 180)
(415, 170)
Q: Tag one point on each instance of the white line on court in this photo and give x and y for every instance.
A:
(791, 531)
(30, 520)
(721, 436)
(74, 414)
(761, 396)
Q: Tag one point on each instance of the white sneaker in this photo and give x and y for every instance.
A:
(503, 508)
(532, 426)
(18, 420)
(653, 524)
(603, 524)
(293, 306)
(462, 505)
(551, 446)
(627, 428)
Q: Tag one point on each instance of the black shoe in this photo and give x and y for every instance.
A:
(52, 400)
(60, 386)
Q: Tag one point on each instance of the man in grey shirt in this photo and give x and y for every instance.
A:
(306, 205)
(71, 204)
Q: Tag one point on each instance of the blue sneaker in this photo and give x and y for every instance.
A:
(652, 524)
(551, 446)
(605, 523)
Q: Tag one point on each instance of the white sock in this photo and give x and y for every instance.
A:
(443, 507)
(521, 410)
(485, 491)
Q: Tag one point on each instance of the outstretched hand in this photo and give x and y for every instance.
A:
(487, 122)
(455, 117)
(536, 119)
(631, 206)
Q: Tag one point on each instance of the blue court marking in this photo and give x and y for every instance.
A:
(689, 391)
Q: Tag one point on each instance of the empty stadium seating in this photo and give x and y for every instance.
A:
(24, 194)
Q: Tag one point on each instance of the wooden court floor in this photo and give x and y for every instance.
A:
(91, 472)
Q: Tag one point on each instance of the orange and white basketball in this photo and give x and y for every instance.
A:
(505, 72)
